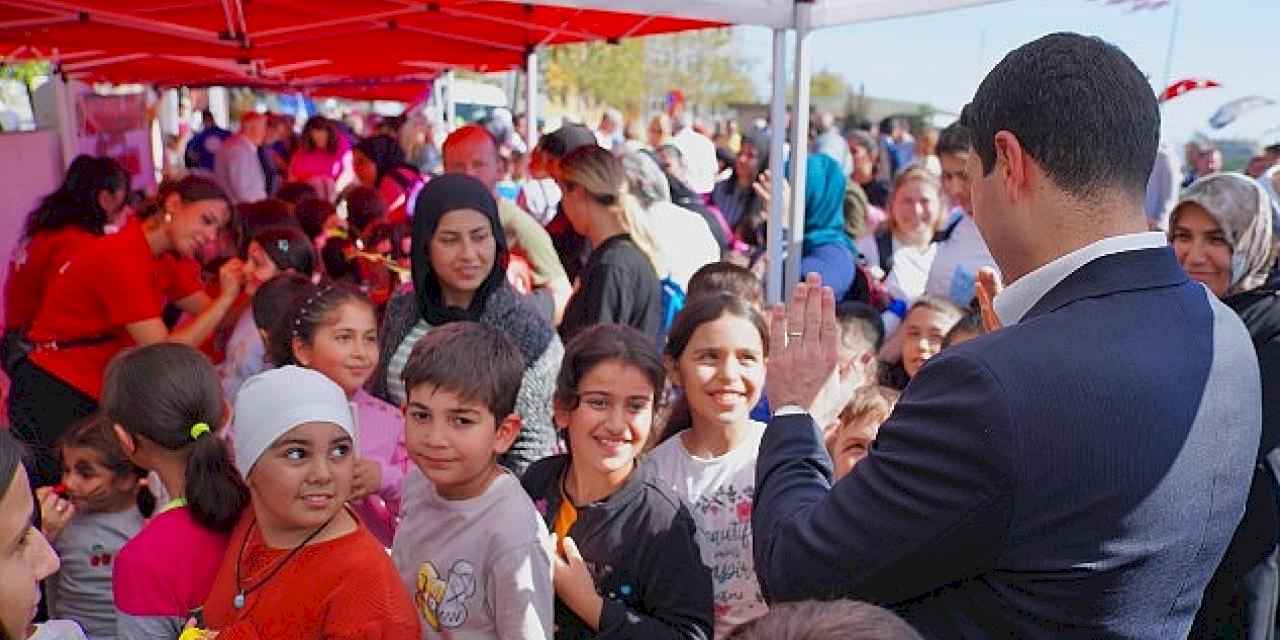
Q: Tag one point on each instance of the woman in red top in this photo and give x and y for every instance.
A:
(379, 164)
(108, 297)
(92, 193)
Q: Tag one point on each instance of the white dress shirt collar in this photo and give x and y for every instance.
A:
(1018, 298)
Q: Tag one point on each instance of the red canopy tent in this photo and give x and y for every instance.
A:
(299, 44)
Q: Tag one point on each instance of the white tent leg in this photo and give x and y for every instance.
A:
(777, 143)
(531, 98)
(799, 147)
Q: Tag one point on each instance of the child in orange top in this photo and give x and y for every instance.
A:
(299, 564)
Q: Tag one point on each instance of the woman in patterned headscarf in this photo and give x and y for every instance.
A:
(1221, 234)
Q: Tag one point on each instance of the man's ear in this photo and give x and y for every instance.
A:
(1012, 164)
(126, 440)
(508, 431)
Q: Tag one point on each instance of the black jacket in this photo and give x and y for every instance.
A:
(639, 543)
(1240, 601)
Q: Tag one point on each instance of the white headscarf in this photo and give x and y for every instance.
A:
(1242, 210)
(272, 403)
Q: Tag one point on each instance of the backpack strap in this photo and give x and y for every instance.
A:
(945, 234)
(884, 246)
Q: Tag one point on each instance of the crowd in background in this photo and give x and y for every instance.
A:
(534, 374)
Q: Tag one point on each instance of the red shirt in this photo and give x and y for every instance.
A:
(114, 282)
(33, 264)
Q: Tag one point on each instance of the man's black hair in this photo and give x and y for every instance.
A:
(955, 139)
(1078, 106)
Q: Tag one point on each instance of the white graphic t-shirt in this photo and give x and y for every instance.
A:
(720, 492)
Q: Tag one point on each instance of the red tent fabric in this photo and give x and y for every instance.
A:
(299, 43)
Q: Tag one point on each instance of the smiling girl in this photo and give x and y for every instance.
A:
(335, 332)
(299, 565)
(716, 356)
(626, 565)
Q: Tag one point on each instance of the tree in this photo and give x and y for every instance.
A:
(828, 85)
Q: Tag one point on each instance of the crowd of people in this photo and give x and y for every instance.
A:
(342, 386)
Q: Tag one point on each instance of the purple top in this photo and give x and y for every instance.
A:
(381, 438)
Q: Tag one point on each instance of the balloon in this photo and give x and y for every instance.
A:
(1228, 112)
(1182, 87)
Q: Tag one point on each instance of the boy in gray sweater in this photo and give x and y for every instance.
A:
(471, 549)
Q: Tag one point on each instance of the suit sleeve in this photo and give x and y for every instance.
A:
(929, 506)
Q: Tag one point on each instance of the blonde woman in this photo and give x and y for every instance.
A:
(901, 253)
(620, 283)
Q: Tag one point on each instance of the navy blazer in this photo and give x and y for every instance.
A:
(1076, 475)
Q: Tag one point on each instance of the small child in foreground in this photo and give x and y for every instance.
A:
(471, 550)
(850, 439)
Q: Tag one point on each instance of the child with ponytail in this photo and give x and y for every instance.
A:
(165, 402)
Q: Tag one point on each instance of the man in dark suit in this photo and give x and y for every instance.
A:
(1076, 474)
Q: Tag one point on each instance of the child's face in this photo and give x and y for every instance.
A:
(923, 332)
(259, 269)
(722, 371)
(454, 441)
(955, 178)
(611, 423)
(345, 350)
(851, 443)
(91, 486)
(303, 478)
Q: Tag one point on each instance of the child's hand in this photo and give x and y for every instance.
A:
(366, 479)
(55, 512)
(988, 288)
(575, 585)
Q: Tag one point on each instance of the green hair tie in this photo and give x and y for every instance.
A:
(198, 429)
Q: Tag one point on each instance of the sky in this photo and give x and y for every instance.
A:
(941, 58)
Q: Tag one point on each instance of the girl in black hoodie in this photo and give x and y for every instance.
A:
(627, 564)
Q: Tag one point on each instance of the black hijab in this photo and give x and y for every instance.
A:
(442, 195)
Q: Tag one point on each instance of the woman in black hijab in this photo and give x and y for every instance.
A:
(459, 274)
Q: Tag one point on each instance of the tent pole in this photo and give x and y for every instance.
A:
(531, 98)
(777, 144)
(799, 146)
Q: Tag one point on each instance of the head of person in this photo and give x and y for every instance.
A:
(753, 157)
(611, 121)
(312, 215)
(365, 208)
(253, 127)
(955, 145)
(259, 216)
(98, 476)
(192, 211)
(91, 195)
(672, 160)
(824, 203)
(608, 388)
(850, 439)
(597, 199)
(861, 333)
(825, 620)
(294, 444)
(165, 403)
(296, 193)
(969, 327)
(334, 331)
(716, 354)
(553, 147)
(459, 253)
(275, 251)
(1209, 162)
(320, 134)
(461, 383)
(915, 205)
(1065, 132)
(923, 330)
(473, 151)
(207, 120)
(865, 151)
(927, 142)
(1221, 233)
(275, 301)
(659, 130)
(645, 179)
(374, 158)
(826, 121)
(25, 557)
(1271, 153)
(727, 278)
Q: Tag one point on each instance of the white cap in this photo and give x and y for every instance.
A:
(272, 403)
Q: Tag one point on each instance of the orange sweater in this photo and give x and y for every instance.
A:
(346, 588)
